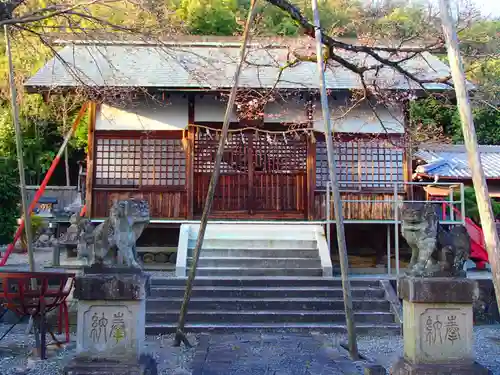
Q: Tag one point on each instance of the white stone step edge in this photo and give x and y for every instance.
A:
(324, 252)
(186, 231)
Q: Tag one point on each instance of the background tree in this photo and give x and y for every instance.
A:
(209, 17)
(9, 199)
(470, 203)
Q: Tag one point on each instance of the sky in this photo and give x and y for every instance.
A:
(487, 7)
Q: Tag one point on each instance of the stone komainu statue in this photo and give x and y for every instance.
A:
(436, 251)
(113, 242)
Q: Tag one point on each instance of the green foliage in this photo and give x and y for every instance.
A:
(432, 112)
(209, 17)
(402, 22)
(41, 121)
(40, 142)
(338, 17)
(37, 223)
(9, 198)
(470, 203)
(276, 22)
(487, 124)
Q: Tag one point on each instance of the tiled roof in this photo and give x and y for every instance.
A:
(451, 161)
(211, 66)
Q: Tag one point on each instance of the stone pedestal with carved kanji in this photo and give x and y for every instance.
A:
(111, 323)
(437, 327)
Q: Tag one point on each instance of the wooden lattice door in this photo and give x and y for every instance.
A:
(259, 175)
(232, 189)
(280, 174)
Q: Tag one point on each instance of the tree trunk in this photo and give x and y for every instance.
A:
(180, 336)
(337, 201)
(66, 166)
(22, 178)
(470, 140)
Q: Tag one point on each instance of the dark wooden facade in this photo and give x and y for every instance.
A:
(265, 173)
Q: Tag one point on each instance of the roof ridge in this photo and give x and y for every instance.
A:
(138, 43)
(456, 148)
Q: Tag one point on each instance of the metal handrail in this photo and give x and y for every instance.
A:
(396, 221)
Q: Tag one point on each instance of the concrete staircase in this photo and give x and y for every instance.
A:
(270, 250)
(263, 277)
(268, 304)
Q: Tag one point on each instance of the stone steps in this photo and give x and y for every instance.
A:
(257, 271)
(267, 316)
(256, 304)
(258, 262)
(265, 292)
(273, 250)
(245, 243)
(277, 282)
(228, 304)
(260, 252)
(363, 329)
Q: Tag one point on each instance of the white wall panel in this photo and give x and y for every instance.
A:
(361, 118)
(207, 108)
(289, 110)
(145, 115)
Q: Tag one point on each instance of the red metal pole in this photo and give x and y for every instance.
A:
(44, 183)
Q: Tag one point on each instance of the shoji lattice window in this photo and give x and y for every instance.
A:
(139, 162)
(361, 164)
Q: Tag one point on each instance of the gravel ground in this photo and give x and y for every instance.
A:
(16, 357)
(386, 350)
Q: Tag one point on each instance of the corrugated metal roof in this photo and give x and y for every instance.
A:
(451, 161)
(212, 66)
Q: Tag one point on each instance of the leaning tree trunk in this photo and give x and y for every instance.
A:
(337, 201)
(180, 336)
(470, 140)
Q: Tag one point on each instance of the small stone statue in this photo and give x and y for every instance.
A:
(85, 239)
(436, 251)
(113, 242)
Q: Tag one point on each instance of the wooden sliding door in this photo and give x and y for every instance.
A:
(261, 175)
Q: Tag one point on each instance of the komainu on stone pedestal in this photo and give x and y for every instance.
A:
(113, 242)
(111, 319)
(436, 251)
(437, 327)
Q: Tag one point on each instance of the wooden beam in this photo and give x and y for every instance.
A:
(311, 164)
(408, 154)
(190, 158)
(251, 175)
(89, 184)
(311, 178)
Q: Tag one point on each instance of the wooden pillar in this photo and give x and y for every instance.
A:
(408, 154)
(311, 163)
(89, 183)
(251, 182)
(311, 178)
(190, 159)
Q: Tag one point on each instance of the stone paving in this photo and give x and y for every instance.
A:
(271, 354)
(244, 353)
